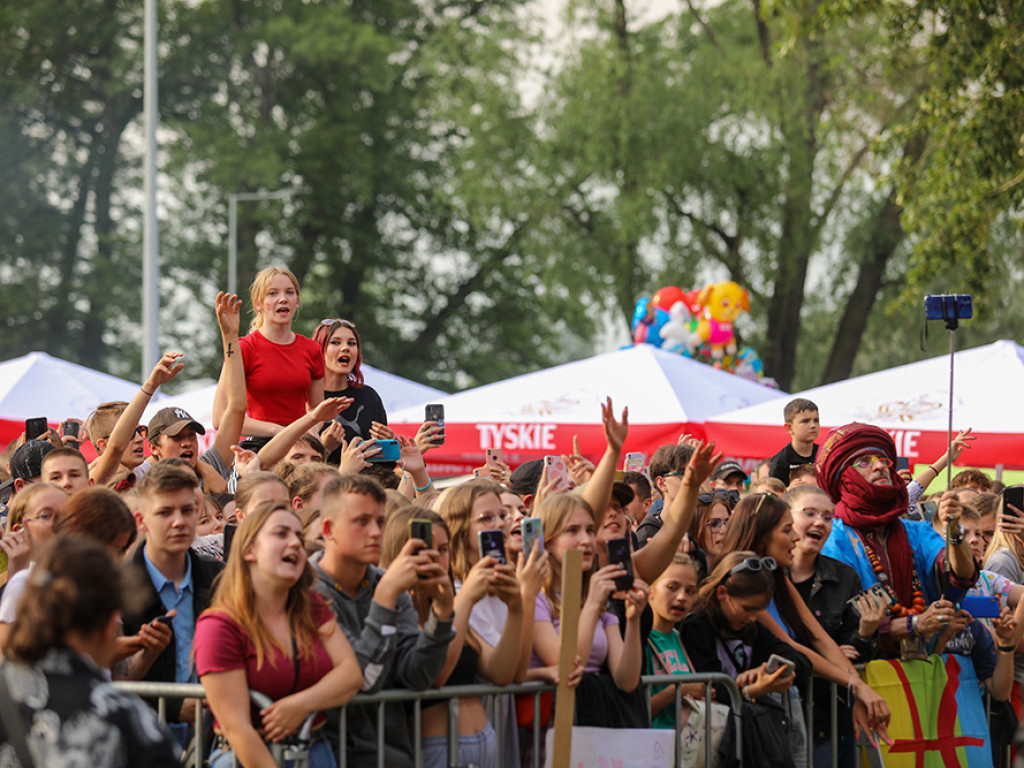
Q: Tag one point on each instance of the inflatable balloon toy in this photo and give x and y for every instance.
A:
(648, 322)
(675, 334)
(718, 306)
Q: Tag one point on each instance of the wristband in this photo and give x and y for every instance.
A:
(746, 693)
(1007, 648)
(416, 488)
(910, 626)
(150, 394)
(933, 469)
(914, 628)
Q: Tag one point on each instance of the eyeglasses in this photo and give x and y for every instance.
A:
(714, 523)
(139, 430)
(43, 517)
(720, 493)
(754, 564)
(677, 473)
(812, 513)
(865, 462)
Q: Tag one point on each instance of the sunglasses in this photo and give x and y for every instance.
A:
(330, 322)
(754, 564)
(715, 524)
(721, 493)
(865, 462)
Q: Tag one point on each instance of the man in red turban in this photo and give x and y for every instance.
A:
(856, 467)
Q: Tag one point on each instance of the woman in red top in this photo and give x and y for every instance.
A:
(284, 371)
(268, 631)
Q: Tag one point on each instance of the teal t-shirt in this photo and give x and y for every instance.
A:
(671, 660)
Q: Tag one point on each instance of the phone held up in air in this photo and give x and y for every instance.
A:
(69, 428)
(1013, 496)
(557, 473)
(533, 535)
(35, 427)
(492, 543)
(902, 462)
(390, 450)
(494, 457)
(618, 554)
(982, 606)
(635, 461)
(435, 412)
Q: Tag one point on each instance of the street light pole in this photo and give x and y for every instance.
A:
(150, 229)
(233, 200)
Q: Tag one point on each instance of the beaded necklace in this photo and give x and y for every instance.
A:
(917, 605)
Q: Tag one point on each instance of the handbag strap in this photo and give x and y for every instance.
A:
(14, 725)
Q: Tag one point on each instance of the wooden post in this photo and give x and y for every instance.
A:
(569, 622)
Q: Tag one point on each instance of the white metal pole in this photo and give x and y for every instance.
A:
(151, 234)
(232, 242)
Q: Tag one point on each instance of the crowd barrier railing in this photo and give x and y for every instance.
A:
(163, 691)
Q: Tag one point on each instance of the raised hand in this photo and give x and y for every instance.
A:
(166, 369)
(701, 464)
(615, 431)
(327, 409)
(229, 311)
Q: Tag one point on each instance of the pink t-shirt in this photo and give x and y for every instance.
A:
(222, 645)
(599, 648)
(278, 376)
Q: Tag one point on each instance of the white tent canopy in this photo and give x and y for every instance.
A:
(911, 402)
(538, 413)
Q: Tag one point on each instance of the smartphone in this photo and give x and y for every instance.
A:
(618, 554)
(635, 461)
(928, 509)
(494, 455)
(477, 473)
(1014, 495)
(949, 306)
(775, 661)
(35, 428)
(533, 535)
(557, 473)
(877, 590)
(902, 462)
(422, 530)
(982, 607)
(166, 620)
(69, 428)
(492, 543)
(229, 536)
(390, 450)
(435, 412)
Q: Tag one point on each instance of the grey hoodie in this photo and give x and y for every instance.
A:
(393, 653)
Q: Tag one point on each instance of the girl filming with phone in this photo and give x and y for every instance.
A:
(470, 654)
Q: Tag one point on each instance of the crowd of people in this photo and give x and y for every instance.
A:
(288, 559)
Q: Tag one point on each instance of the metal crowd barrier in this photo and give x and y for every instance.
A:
(163, 691)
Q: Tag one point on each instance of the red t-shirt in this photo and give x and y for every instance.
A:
(222, 645)
(277, 376)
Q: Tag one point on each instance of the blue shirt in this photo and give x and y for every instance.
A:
(845, 545)
(184, 623)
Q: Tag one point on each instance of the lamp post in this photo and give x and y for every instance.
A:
(233, 200)
(150, 230)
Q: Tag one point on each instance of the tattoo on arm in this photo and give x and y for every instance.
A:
(230, 350)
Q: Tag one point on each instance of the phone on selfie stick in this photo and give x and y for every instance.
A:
(951, 308)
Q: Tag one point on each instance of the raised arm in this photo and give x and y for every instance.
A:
(961, 442)
(500, 664)
(598, 491)
(165, 370)
(277, 448)
(655, 557)
(228, 307)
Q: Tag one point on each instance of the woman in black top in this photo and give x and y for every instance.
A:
(365, 418)
(61, 638)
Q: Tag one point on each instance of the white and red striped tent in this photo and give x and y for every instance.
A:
(911, 402)
(539, 413)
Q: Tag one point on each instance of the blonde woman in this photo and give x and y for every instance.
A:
(284, 371)
(268, 631)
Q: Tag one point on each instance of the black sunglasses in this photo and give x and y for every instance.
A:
(719, 493)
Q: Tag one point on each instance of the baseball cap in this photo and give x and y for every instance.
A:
(27, 461)
(622, 493)
(727, 468)
(170, 421)
(526, 477)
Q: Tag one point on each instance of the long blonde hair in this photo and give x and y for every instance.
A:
(1001, 540)
(456, 507)
(236, 596)
(260, 286)
(554, 512)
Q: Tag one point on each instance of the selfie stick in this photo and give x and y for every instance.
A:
(952, 323)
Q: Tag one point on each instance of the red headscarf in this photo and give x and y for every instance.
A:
(864, 505)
